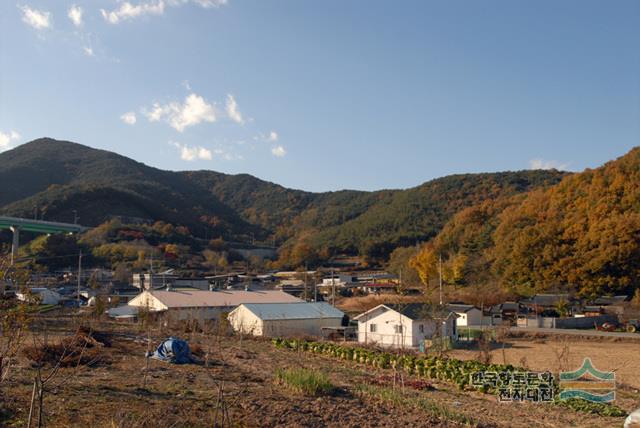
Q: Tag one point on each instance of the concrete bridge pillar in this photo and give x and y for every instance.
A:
(16, 242)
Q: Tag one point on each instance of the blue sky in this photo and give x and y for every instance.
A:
(325, 95)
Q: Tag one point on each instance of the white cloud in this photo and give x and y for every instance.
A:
(278, 151)
(193, 153)
(88, 50)
(75, 15)
(273, 136)
(193, 111)
(232, 110)
(129, 11)
(547, 164)
(7, 139)
(202, 3)
(129, 118)
(38, 19)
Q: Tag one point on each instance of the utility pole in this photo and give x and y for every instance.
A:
(315, 287)
(333, 288)
(306, 269)
(79, 278)
(440, 270)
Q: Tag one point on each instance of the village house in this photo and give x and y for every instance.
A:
(167, 280)
(550, 304)
(468, 315)
(285, 319)
(378, 288)
(405, 325)
(505, 313)
(202, 304)
(42, 296)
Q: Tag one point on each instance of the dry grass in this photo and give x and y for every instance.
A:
(83, 348)
(189, 395)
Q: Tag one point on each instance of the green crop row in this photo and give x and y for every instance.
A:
(445, 369)
(450, 370)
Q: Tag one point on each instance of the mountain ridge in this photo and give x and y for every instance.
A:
(57, 177)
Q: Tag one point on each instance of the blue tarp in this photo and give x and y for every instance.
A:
(173, 350)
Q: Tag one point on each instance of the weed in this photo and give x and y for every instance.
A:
(305, 381)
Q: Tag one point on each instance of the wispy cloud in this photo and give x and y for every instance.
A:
(129, 118)
(75, 15)
(273, 136)
(202, 3)
(88, 50)
(194, 110)
(128, 11)
(38, 19)
(232, 110)
(538, 163)
(192, 153)
(278, 151)
(7, 140)
(227, 154)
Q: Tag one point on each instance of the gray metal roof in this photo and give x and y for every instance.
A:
(123, 311)
(303, 310)
(421, 311)
(609, 300)
(459, 307)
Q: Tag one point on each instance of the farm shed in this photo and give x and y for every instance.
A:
(285, 319)
(204, 305)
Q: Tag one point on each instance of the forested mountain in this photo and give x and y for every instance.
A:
(58, 177)
(581, 235)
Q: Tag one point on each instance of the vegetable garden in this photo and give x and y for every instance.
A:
(450, 370)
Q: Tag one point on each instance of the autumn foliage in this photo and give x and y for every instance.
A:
(580, 235)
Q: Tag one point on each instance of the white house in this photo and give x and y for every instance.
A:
(202, 304)
(285, 319)
(468, 315)
(43, 296)
(405, 325)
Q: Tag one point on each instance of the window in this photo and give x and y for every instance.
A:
(421, 328)
(398, 329)
(373, 328)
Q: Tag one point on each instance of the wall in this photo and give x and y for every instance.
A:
(247, 322)
(385, 329)
(474, 317)
(584, 322)
(311, 327)
(385, 334)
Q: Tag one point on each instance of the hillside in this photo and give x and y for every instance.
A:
(59, 177)
(582, 235)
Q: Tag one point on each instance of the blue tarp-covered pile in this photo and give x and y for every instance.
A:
(173, 350)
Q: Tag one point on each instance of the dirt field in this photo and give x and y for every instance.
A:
(555, 354)
(240, 378)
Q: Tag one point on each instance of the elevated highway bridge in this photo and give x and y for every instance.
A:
(16, 225)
